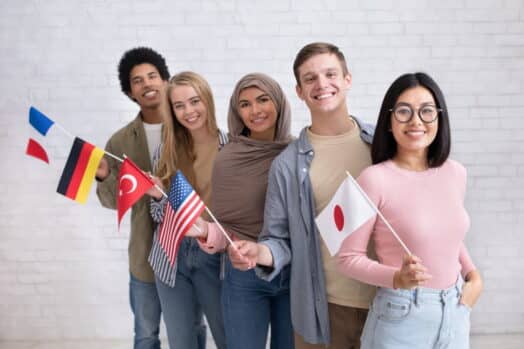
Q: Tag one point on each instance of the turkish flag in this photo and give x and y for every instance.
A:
(132, 185)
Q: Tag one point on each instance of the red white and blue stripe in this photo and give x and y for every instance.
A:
(183, 208)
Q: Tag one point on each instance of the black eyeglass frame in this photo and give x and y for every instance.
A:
(392, 110)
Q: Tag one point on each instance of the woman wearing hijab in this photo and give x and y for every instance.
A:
(259, 129)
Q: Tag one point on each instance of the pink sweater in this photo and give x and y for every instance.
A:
(426, 209)
(215, 242)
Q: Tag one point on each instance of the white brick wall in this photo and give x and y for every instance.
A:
(63, 266)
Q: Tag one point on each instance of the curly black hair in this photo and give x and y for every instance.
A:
(136, 56)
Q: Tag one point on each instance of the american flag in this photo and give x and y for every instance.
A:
(183, 208)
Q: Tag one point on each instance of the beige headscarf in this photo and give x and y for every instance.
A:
(273, 89)
(239, 180)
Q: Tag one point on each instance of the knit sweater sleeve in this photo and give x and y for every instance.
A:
(353, 260)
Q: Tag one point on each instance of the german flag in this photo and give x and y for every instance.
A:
(79, 170)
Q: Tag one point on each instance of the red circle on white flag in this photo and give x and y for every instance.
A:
(338, 215)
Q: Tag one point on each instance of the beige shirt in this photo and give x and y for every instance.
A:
(203, 167)
(334, 155)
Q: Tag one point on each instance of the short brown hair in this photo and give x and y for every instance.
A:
(317, 48)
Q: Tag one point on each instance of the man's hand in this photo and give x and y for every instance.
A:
(103, 170)
(153, 191)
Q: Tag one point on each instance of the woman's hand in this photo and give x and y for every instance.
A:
(471, 289)
(243, 255)
(198, 230)
(412, 274)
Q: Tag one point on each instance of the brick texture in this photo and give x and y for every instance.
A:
(63, 266)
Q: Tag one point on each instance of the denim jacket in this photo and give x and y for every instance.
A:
(292, 236)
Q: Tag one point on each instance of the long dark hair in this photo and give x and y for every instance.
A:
(384, 145)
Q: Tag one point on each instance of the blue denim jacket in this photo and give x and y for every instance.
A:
(292, 236)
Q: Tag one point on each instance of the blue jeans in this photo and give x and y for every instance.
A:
(422, 318)
(197, 290)
(250, 304)
(146, 309)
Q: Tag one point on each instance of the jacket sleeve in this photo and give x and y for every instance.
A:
(275, 232)
(157, 209)
(106, 189)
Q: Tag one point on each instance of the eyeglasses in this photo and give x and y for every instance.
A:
(404, 113)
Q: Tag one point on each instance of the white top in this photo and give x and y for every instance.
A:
(153, 137)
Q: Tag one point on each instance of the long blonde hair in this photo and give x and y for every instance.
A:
(177, 143)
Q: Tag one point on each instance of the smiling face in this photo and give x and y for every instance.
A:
(147, 86)
(188, 107)
(414, 137)
(323, 85)
(258, 113)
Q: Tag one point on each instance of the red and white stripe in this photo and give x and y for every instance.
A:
(176, 224)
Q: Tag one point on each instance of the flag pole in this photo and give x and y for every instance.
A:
(156, 185)
(114, 156)
(63, 130)
(221, 228)
(165, 195)
(379, 213)
(71, 136)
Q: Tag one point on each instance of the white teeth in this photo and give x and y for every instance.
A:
(324, 96)
(416, 133)
(258, 120)
(150, 93)
(192, 119)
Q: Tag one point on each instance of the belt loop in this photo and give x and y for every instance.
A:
(415, 296)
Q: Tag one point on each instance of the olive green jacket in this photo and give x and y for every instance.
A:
(131, 141)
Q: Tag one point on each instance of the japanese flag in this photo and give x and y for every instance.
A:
(345, 213)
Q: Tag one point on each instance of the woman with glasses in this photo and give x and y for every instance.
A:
(424, 299)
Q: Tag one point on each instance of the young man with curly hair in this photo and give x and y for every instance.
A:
(143, 76)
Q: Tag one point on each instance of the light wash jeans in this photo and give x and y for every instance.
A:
(251, 304)
(197, 290)
(146, 309)
(421, 318)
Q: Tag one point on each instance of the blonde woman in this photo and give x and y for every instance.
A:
(190, 143)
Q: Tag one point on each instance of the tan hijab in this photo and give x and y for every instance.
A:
(241, 169)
